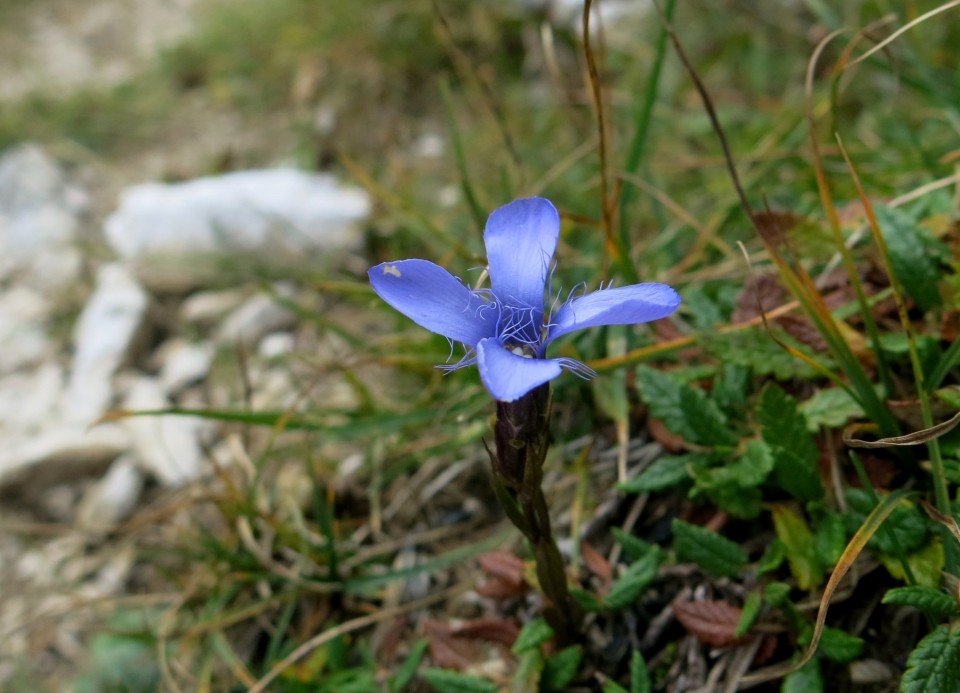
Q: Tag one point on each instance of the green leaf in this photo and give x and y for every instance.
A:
(754, 349)
(751, 609)
(610, 394)
(795, 453)
(685, 410)
(772, 557)
(925, 564)
(714, 553)
(627, 588)
(633, 546)
(731, 387)
(800, 546)
(445, 681)
(906, 523)
(911, 249)
(611, 686)
(534, 634)
(831, 538)
(724, 490)
(560, 668)
(839, 645)
(934, 666)
(806, 679)
(639, 674)
(929, 600)
(409, 667)
(830, 407)
(666, 471)
(587, 600)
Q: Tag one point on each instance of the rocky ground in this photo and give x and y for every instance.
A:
(117, 293)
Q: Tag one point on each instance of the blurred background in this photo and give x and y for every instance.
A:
(190, 194)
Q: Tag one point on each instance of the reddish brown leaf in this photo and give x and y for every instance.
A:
(713, 622)
(447, 651)
(766, 650)
(801, 329)
(771, 292)
(773, 225)
(670, 441)
(506, 573)
(497, 630)
(595, 561)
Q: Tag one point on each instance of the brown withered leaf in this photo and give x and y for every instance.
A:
(773, 225)
(800, 328)
(670, 441)
(505, 573)
(950, 325)
(447, 651)
(596, 562)
(713, 622)
(771, 292)
(496, 630)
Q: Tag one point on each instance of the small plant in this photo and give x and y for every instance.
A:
(506, 330)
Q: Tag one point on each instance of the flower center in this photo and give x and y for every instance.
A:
(524, 350)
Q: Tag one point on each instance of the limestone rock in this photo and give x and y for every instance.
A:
(181, 236)
(39, 220)
(103, 338)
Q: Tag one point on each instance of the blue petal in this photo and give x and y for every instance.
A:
(626, 305)
(435, 299)
(509, 377)
(521, 238)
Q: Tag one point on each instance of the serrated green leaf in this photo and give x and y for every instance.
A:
(712, 552)
(754, 349)
(445, 681)
(806, 679)
(911, 249)
(627, 588)
(666, 471)
(534, 634)
(795, 454)
(905, 522)
(929, 600)
(685, 410)
(730, 389)
(839, 645)
(528, 674)
(724, 490)
(800, 546)
(830, 407)
(751, 609)
(934, 666)
(560, 668)
(639, 674)
(634, 548)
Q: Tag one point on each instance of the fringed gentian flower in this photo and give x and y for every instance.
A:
(508, 327)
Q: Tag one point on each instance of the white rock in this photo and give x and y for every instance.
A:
(39, 220)
(167, 446)
(276, 344)
(23, 334)
(103, 338)
(177, 236)
(256, 318)
(183, 364)
(27, 399)
(112, 498)
(205, 308)
(60, 454)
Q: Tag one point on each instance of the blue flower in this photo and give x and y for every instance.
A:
(506, 329)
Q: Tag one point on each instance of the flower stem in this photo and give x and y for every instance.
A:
(522, 437)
